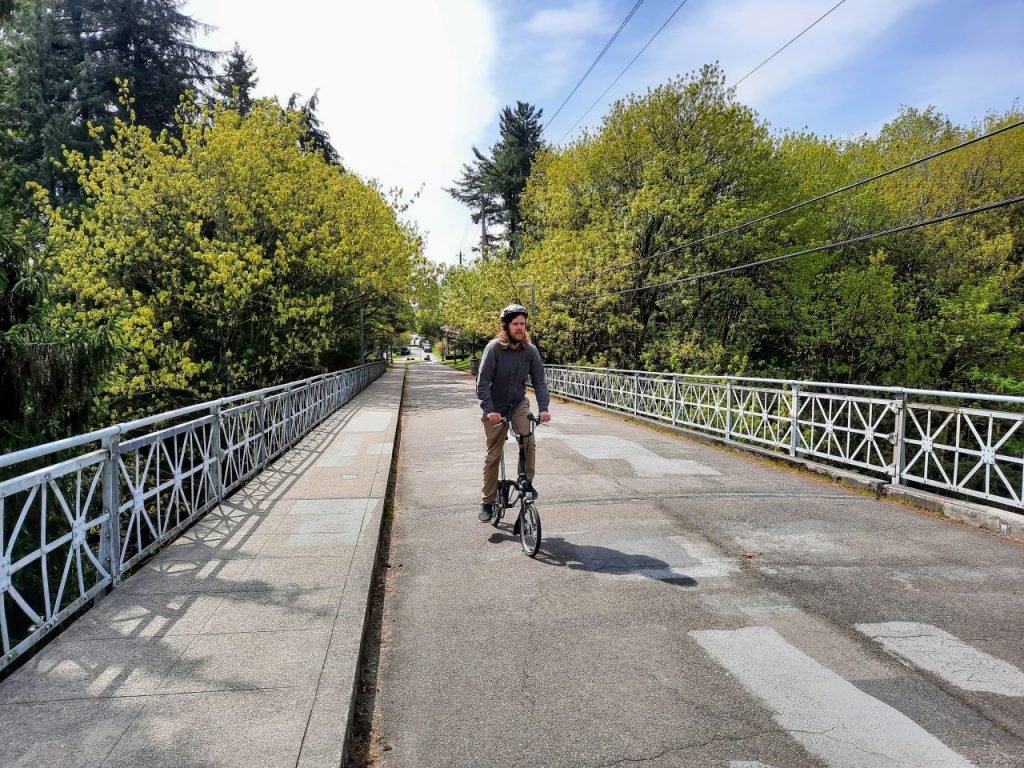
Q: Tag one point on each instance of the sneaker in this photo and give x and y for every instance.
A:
(528, 488)
(486, 510)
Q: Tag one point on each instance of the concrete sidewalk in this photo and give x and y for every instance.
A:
(238, 645)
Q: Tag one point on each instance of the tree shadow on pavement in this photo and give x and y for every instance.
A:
(597, 559)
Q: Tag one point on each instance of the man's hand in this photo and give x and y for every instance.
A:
(494, 418)
(545, 417)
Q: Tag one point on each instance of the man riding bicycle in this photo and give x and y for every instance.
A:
(501, 387)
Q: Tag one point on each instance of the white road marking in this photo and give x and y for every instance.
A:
(622, 554)
(830, 717)
(747, 764)
(697, 572)
(934, 650)
(645, 462)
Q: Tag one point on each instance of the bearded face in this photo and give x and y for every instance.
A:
(517, 329)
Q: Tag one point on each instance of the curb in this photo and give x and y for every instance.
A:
(329, 730)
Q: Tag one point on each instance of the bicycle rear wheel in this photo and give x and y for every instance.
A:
(529, 528)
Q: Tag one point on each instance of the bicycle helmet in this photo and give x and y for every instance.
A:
(511, 311)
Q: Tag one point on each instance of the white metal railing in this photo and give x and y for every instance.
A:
(71, 529)
(947, 442)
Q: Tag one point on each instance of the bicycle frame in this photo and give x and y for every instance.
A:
(506, 486)
(528, 525)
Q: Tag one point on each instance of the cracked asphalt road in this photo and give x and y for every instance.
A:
(689, 607)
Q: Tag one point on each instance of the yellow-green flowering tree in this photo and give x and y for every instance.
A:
(229, 258)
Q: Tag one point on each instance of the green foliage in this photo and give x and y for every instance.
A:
(426, 300)
(50, 372)
(634, 203)
(228, 259)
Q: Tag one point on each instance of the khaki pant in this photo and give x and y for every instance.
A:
(496, 435)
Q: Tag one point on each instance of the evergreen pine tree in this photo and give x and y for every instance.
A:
(520, 131)
(39, 86)
(147, 43)
(493, 184)
(236, 84)
(315, 139)
(59, 65)
(472, 189)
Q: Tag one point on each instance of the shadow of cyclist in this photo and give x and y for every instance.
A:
(605, 560)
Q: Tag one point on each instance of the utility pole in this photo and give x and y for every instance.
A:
(483, 233)
(533, 297)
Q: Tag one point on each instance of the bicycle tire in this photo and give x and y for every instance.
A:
(500, 503)
(529, 528)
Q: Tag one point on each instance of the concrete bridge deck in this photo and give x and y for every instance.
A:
(689, 607)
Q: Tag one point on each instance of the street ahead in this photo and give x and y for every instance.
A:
(689, 607)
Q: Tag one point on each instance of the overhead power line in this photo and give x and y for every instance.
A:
(594, 64)
(816, 249)
(809, 201)
(632, 61)
(780, 50)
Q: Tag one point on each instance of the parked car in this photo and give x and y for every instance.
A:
(404, 351)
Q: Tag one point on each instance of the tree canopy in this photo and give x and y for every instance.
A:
(229, 259)
(60, 62)
(643, 201)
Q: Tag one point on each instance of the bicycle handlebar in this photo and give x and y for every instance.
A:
(535, 419)
(507, 422)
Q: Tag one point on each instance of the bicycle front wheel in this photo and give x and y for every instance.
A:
(529, 528)
(500, 504)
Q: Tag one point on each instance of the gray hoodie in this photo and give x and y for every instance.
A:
(501, 383)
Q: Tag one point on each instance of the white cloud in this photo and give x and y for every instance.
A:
(742, 34)
(559, 40)
(405, 88)
(584, 17)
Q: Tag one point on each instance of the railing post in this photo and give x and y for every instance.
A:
(794, 417)
(110, 532)
(636, 393)
(216, 460)
(261, 427)
(289, 419)
(728, 409)
(675, 400)
(899, 450)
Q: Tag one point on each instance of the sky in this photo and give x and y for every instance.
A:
(408, 87)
